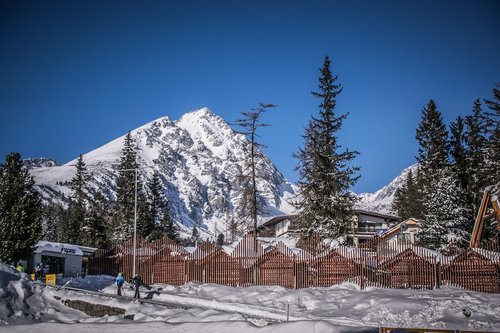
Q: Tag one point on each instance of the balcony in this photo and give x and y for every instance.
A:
(371, 229)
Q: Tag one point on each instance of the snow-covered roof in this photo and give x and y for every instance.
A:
(493, 256)
(44, 246)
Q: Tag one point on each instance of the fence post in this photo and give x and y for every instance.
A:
(438, 273)
(362, 282)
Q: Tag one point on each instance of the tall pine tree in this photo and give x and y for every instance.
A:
(54, 215)
(475, 138)
(124, 209)
(326, 177)
(157, 221)
(74, 229)
(20, 211)
(432, 137)
(97, 221)
(446, 218)
(491, 171)
(458, 151)
(408, 199)
(170, 228)
(492, 154)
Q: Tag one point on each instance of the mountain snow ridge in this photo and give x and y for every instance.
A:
(381, 201)
(198, 158)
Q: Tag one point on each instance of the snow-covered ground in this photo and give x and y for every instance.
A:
(26, 307)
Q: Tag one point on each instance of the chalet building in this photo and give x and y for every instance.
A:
(366, 225)
(279, 226)
(402, 233)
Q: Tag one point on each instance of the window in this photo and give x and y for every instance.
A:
(53, 265)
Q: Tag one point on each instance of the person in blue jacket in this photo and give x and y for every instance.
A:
(119, 283)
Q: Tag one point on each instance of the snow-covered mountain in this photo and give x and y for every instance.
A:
(32, 163)
(198, 158)
(381, 201)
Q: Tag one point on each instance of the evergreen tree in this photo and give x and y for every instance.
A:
(407, 199)
(145, 221)
(476, 138)
(152, 218)
(325, 200)
(52, 221)
(171, 230)
(195, 236)
(20, 211)
(251, 198)
(432, 137)
(220, 239)
(124, 209)
(446, 217)
(97, 221)
(491, 171)
(458, 152)
(77, 209)
(492, 156)
(233, 229)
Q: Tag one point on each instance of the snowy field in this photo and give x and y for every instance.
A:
(26, 307)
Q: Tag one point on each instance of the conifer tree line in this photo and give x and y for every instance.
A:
(455, 165)
(89, 218)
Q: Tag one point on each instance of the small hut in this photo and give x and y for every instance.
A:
(247, 252)
(331, 267)
(212, 264)
(276, 267)
(410, 268)
(169, 263)
(474, 269)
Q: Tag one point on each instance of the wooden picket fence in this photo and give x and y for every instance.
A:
(312, 264)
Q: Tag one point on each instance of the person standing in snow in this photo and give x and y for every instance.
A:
(137, 281)
(119, 283)
(38, 272)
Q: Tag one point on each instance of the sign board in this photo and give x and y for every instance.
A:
(68, 250)
(50, 279)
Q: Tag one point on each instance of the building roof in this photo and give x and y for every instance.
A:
(376, 214)
(397, 227)
(275, 220)
(62, 248)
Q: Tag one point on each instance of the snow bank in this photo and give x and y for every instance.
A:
(27, 307)
(19, 301)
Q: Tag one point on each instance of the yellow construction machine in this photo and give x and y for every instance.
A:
(491, 194)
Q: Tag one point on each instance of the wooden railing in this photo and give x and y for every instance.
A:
(314, 264)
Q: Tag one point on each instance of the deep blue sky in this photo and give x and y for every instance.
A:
(77, 74)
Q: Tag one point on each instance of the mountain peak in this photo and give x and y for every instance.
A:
(204, 111)
(198, 158)
(203, 114)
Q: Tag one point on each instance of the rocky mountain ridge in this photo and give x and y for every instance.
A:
(198, 158)
(381, 201)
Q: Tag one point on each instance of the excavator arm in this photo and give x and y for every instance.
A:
(482, 215)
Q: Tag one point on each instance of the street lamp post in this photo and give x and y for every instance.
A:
(135, 224)
(135, 218)
(136, 170)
